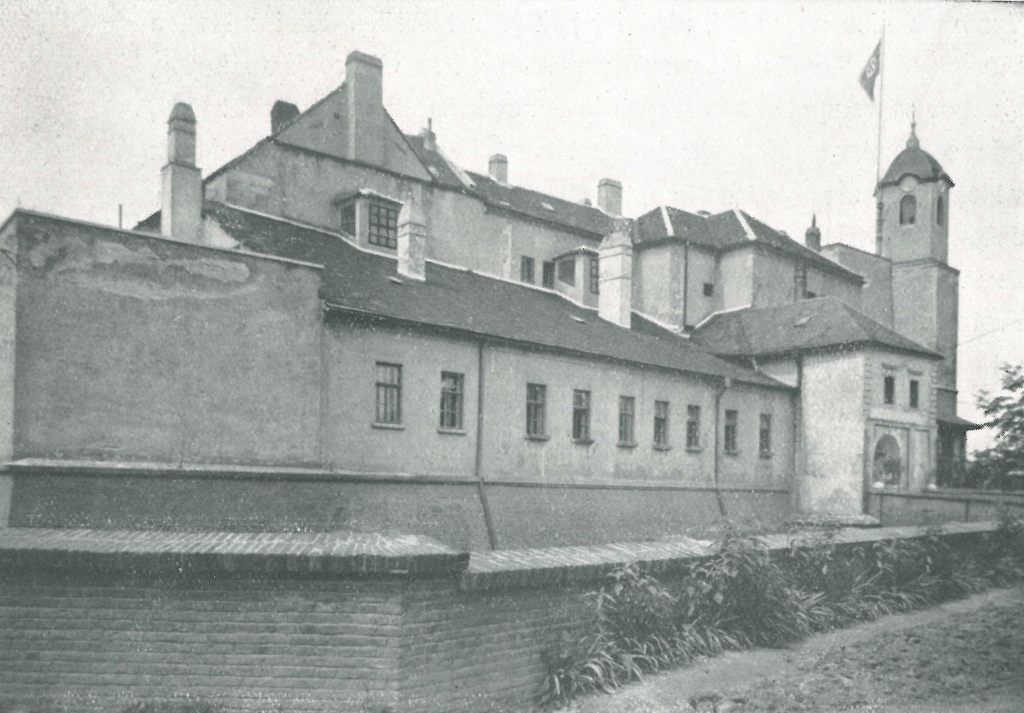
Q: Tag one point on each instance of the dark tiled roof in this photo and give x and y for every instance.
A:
(534, 204)
(958, 422)
(724, 231)
(459, 299)
(806, 325)
(913, 161)
(435, 163)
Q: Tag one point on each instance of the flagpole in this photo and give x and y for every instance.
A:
(881, 88)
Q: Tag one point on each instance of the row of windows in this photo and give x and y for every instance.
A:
(389, 412)
(908, 210)
(566, 272)
(913, 395)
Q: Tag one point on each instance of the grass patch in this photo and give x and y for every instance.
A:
(746, 596)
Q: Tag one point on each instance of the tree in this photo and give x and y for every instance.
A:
(1005, 413)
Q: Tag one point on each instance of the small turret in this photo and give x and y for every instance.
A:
(812, 238)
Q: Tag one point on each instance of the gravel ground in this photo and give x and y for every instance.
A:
(960, 657)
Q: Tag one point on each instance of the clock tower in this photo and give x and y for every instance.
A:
(913, 233)
(913, 206)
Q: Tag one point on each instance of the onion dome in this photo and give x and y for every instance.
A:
(914, 161)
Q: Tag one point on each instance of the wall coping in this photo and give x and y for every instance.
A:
(181, 553)
(47, 466)
(953, 494)
(576, 565)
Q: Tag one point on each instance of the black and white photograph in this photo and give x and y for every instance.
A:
(453, 357)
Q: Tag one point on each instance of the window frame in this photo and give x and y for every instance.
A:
(536, 411)
(730, 441)
(627, 421)
(908, 209)
(388, 414)
(526, 271)
(581, 416)
(563, 272)
(692, 427)
(382, 232)
(547, 276)
(595, 275)
(661, 426)
(889, 390)
(914, 394)
(452, 401)
(764, 436)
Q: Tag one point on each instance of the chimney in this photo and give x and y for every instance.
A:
(412, 242)
(497, 167)
(181, 199)
(609, 196)
(429, 138)
(615, 299)
(282, 114)
(365, 94)
(812, 238)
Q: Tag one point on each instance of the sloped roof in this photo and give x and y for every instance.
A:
(913, 161)
(821, 323)
(435, 163)
(452, 298)
(536, 205)
(724, 231)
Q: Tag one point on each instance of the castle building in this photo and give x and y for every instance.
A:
(341, 329)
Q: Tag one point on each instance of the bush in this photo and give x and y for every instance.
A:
(745, 596)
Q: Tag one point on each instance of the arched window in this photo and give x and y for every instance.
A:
(940, 211)
(908, 210)
(888, 464)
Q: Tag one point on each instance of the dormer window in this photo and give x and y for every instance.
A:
(370, 217)
(908, 210)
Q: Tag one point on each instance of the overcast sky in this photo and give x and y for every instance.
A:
(700, 106)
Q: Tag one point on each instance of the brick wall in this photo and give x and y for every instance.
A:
(92, 620)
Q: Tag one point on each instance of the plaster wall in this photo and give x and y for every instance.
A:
(652, 283)
(876, 293)
(832, 405)
(774, 281)
(136, 348)
(702, 270)
(735, 279)
(462, 230)
(925, 238)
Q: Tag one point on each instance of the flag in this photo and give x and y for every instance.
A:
(871, 69)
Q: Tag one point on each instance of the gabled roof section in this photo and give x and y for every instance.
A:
(808, 325)
(542, 207)
(440, 169)
(726, 231)
(365, 283)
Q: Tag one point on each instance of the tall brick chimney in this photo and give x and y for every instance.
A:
(364, 89)
(412, 242)
(609, 196)
(181, 197)
(615, 298)
(497, 168)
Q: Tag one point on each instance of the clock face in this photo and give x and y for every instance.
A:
(908, 183)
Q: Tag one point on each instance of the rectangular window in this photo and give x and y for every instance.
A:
(451, 400)
(548, 274)
(383, 226)
(536, 404)
(693, 426)
(526, 269)
(890, 389)
(765, 440)
(595, 275)
(709, 289)
(389, 393)
(348, 219)
(914, 393)
(567, 271)
(627, 420)
(581, 415)
(731, 425)
(661, 424)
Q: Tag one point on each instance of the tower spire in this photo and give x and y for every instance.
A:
(912, 142)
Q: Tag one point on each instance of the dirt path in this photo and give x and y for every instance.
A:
(960, 657)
